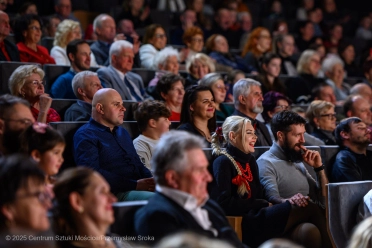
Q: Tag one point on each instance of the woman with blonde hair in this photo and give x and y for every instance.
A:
(362, 235)
(259, 43)
(197, 67)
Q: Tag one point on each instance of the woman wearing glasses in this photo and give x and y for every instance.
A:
(24, 200)
(27, 33)
(322, 117)
(215, 82)
(27, 82)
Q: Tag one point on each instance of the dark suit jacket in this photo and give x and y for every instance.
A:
(101, 52)
(12, 50)
(162, 216)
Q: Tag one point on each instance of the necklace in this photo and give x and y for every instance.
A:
(208, 138)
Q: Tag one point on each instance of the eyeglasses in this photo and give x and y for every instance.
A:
(35, 28)
(315, 61)
(178, 89)
(26, 122)
(160, 36)
(330, 116)
(36, 83)
(42, 196)
(197, 40)
(221, 87)
(283, 107)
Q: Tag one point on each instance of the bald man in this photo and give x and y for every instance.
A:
(103, 145)
(8, 50)
(362, 89)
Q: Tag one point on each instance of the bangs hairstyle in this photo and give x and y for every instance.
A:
(166, 82)
(18, 78)
(150, 109)
(317, 108)
(283, 120)
(32, 139)
(150, 32)
(64, 29)
(203, 59)
(21, 24)
(16, 172)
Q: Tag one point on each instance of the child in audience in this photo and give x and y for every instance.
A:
(152, 119)
(45, 145)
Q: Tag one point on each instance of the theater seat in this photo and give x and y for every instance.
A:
(146, 75)
(236, 223)
(52, 72)
(124, 217)
(61, 105)
(342, 201)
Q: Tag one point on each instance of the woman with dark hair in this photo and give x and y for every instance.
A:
(346, 51)
(154, 40)
(269, 76)
(24, 200)
(28, 8)
(198, 115)
(84, 208)
(306, 35)
(27, 34)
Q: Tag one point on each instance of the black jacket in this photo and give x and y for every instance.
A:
(12, 50)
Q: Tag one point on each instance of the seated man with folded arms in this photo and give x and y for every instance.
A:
(84, 84)
(103, 145)
(353, 161)
(181, 201)
(152, 119)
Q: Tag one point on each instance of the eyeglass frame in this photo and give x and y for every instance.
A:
(42, 196)
(283, 107)
(37, 83)
(24, 121)
(329, 116)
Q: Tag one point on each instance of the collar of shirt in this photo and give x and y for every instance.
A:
(121, 75)
(101, 127)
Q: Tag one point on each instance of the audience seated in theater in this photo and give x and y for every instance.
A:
(246, 24)
(285, 178)
(284, 46)
(362, 89)
(237, 188)
(203, 12)
(27, 82)
(324, 92)
(248, 103)
(137, 11)
(275, 102)
(24, 197)
(353, 160)
(222, 26)
(28, 8)
(152, 119)
(334, 38)
(50, 26)
(27, 34)
(218, 49)
(299, 88)
(258, 43)
(322, 118)
(15, 116)
(79, 55)
(357, 106)
(231, 78)
(269, 74)
(154, 40)
(305, 5)
(362, 235)
(346, 51)
(193, 38)
(333, 69)
(171, 89)
(188, 20)
(106, 147)
(306, 35)
(215, 82)
(62, 9)
(84, 209)
(119, 76)
(45, 145)
(166, 61)
(105, 29)
(197, 67)
(84, 84)
(181, 201)
(367, 71)
(8, 50)
(198, 115)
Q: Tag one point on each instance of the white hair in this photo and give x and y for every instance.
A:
(162, 56)
(18, 77)
(330, 61)
(117, 46)
(79, 81)
(98, 21)
(243, 87)
(63, 31)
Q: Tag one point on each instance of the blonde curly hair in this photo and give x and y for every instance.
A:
(18, 78)
(64, 30)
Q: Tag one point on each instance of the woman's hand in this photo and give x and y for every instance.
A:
(45, 101)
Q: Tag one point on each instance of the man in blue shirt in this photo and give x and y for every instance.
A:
(104, 146)
(78, 52)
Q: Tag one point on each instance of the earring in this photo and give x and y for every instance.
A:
(81, 210)
(318, 127)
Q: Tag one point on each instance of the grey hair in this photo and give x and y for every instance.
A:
(98, 21)
(330, 62)
(304, 60)
(79, 79)
(233, 124)
(117, 46)
(63, 31)
(241, 14)
(202, 58)
(18, 78)
(170, 153)
(243, 87)
(162, 56)
(210, 79)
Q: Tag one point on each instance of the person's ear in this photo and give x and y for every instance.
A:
(76, 202)
(242, 99)
(36, 155)
(99, 108)
(316, 121)
(172, 179)
(232, 136)
(344, 135)
(280, 136)
(349, 113)
(163, 95)
(152, 123)
(71, 56)
(81, 92)
(2, 126)
(8, 211)
(270, 114)
(191, 107)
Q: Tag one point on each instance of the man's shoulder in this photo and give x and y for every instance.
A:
(104, 70)
(95, 45)
(69, 75)
(343, 154)
(8, 43)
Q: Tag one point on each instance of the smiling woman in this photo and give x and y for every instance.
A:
(27, 33)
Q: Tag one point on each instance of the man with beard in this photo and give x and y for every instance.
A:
(353, 161)
(78, 52)
(248, 103)
(282, 173)
(15, 116)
